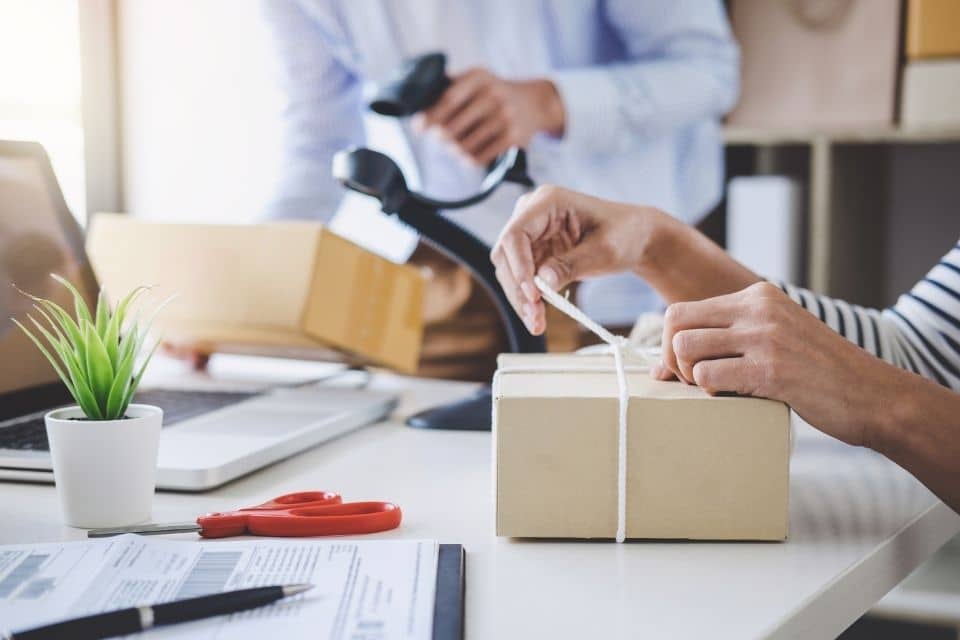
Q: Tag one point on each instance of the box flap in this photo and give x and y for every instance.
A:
(365, 304)
(548, 375)
(239, 275)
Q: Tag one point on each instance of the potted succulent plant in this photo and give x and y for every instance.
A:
(104, 448)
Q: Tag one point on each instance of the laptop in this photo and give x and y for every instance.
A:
(209, 437)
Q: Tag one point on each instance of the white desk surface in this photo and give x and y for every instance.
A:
(859, 525)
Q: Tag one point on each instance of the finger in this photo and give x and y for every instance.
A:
(718, 312)
(536, 313)
(199, 361)
(691, 346)
(517, 251)
(455, 97)
(729, 375)
(660, 372)
(524, 308)
(479, 111)
(190, 354)
(583, 260)
(493, 148)
(478, 140)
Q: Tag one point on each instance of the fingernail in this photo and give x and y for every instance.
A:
(528, 290)
(549, 276)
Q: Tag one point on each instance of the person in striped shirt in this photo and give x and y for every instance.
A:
(887, 380)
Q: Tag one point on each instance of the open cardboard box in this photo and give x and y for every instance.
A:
(282, 288)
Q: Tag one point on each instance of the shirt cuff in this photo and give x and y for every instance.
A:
(591, 100)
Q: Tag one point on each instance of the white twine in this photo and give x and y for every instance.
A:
(620, 346)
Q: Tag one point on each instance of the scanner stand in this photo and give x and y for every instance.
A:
(375, 174)
(475, 412)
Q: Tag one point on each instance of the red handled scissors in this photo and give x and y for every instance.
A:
(308, 513)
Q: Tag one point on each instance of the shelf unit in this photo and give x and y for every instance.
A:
(886, 135)
(843, 170)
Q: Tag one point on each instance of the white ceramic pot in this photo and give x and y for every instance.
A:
(105, 470)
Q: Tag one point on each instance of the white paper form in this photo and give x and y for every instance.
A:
(365, 590)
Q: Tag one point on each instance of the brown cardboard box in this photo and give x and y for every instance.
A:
(931, 93)
(698, 467)
(285, 288)
(816, 65)
(933, 29)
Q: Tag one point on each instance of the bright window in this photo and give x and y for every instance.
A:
(40, 86)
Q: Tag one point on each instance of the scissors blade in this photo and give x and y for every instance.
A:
(146, 529)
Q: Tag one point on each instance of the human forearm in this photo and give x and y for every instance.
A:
(323, 111)
(564, 236)
(916, 423)
(758, 342)
(551, 115)
(683, 264)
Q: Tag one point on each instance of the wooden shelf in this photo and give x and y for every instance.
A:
(743, 136)
(841, 169)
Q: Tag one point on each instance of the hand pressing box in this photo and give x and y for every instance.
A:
(698, 467)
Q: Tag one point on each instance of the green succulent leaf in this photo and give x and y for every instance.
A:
(56, 343)
(99, 367)
(160, 307)
(54, 326)
(111, 339)
(80, 305)
(117, 399)
(103, 314)
(94, 356)
(56, 366)
(84, 396)
(136, 381)
(125, 304)
(59, 313)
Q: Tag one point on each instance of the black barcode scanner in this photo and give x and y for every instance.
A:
(417, 85)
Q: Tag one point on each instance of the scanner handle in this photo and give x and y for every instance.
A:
(465, 248)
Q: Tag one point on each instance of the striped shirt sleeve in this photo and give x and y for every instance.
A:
(920, 333)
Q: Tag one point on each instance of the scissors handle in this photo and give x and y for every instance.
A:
(299, 499)
(324, 520)
(234, 523)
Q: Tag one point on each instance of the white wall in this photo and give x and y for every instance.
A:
(201, 123)
(201, 109)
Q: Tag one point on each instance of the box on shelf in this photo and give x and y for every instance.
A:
(816, 65)
(284, 288)
(698, 467)
(931, 93)
(933, 29)
(765, 225)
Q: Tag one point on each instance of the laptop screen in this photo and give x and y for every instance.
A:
(34, 243)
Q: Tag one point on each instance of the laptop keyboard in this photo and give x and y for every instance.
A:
(30, 433)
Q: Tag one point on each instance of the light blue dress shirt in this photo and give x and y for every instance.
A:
(644, 84)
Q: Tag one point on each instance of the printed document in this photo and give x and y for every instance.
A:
(364, 590)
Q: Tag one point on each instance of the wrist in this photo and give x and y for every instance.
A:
(658, 237)
(901, 406)
(548, 105)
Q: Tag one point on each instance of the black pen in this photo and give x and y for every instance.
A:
(124, 621)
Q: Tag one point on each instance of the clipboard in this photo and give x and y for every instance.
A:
(448, 612)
